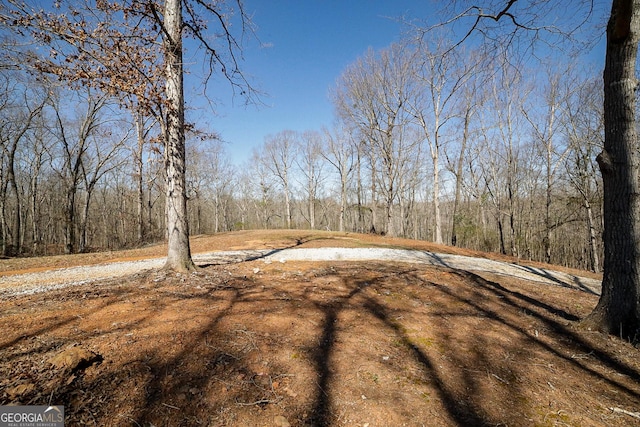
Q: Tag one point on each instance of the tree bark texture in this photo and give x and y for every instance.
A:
(16, 245)
(618, 311)
(139, 176)
(69, 220)
(593, 242)
(459, 170)
(179, 252)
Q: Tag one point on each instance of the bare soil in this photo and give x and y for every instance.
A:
(312, 344)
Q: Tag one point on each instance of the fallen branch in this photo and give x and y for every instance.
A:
(171, 406)
(500, 379)
(623, 411)
(257, 402)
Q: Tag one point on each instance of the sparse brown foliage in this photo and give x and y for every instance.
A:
(133, 50)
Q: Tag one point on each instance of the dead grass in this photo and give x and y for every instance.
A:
(315, 344)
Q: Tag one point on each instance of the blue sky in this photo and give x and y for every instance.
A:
(308, 45)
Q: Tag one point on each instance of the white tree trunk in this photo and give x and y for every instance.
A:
(437, 232)
(139, 177)
(179, 252)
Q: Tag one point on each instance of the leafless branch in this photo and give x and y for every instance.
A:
(521, 20)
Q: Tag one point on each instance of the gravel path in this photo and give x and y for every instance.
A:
(31, 283)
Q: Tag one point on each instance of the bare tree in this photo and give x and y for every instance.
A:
(209, 179)
(339, 152)
(500, 153)
(618, 310)
(360, 155)
(311, 167)
(412, 181)
(144, 124)
(113, 46)
(262, 179)
(468, 106)
(101, 156)
(372, 95)
(441, 75)
(19, 109)
(279, 155)
(73, 141)
(37, 156)
(545, 127)
(584, 128)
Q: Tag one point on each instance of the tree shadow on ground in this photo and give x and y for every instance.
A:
(321, 413)
(462, 395)
(458, 406)
(549, 315)
(423, 345)
(248, 255)
(548, 275)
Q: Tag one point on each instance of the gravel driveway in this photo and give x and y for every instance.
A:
(23, 284)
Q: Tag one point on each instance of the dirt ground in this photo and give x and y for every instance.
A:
(312, 344)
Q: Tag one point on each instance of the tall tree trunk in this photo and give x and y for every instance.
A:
(459, 165)
(312, 209)
(3, 211)
(360, 227)
(84, 219)
(139, 176)
(374, 198)
(435, 156)
(179, 251)
(389, 223)
(546, 240)
(343, 200)
(503, 249)
(69, 220)
(414, 213)
(16, 236)
(512, 209)
(199, 215)
(287, 202)
(593, 245)
(482, 214)
(403, 216)
(16, 243)
(390, 226)
(618, 310)
(35, 212)
(149, 203)
(216, 227)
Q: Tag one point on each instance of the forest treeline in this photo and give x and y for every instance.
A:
(426, 144)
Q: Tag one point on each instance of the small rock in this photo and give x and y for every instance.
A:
(74, 358)
(256, 270)
(291, 392)
(280, 421)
